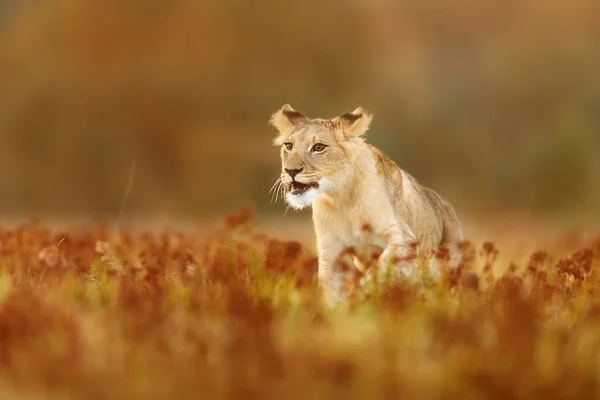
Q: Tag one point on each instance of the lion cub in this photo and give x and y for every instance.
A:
(350, 184)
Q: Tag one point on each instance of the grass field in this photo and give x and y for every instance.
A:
(232, 312)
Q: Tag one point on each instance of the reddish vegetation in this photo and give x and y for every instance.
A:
(110, 313)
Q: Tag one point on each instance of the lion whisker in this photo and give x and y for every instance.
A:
(281, 191)
(275, 188)
(278, 191)
(277, 180)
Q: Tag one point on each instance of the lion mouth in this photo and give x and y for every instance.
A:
(297, 188)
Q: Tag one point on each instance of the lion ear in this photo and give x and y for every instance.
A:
(355, 123)
(286, 119)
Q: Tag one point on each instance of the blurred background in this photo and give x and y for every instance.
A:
(495, 104)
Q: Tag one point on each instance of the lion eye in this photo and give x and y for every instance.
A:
(319, 147)
(288, 146)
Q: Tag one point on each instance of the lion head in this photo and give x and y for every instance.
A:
(317, 155)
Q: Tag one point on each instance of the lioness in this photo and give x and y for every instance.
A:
(327, 163)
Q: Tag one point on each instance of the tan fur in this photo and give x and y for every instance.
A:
(358, 185)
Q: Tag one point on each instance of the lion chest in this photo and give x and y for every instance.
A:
(349, 229)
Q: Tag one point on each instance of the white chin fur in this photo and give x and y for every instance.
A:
(300, 201)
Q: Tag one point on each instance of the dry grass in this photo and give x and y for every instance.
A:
(107, 312)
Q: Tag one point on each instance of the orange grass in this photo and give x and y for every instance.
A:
(106, 312)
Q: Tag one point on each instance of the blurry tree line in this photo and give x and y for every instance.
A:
(494, 104)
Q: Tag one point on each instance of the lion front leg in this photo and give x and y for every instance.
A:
(330, 283)
(332, 280)
(395, 262)
(397, 259)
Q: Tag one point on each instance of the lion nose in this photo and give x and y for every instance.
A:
(293, 172)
